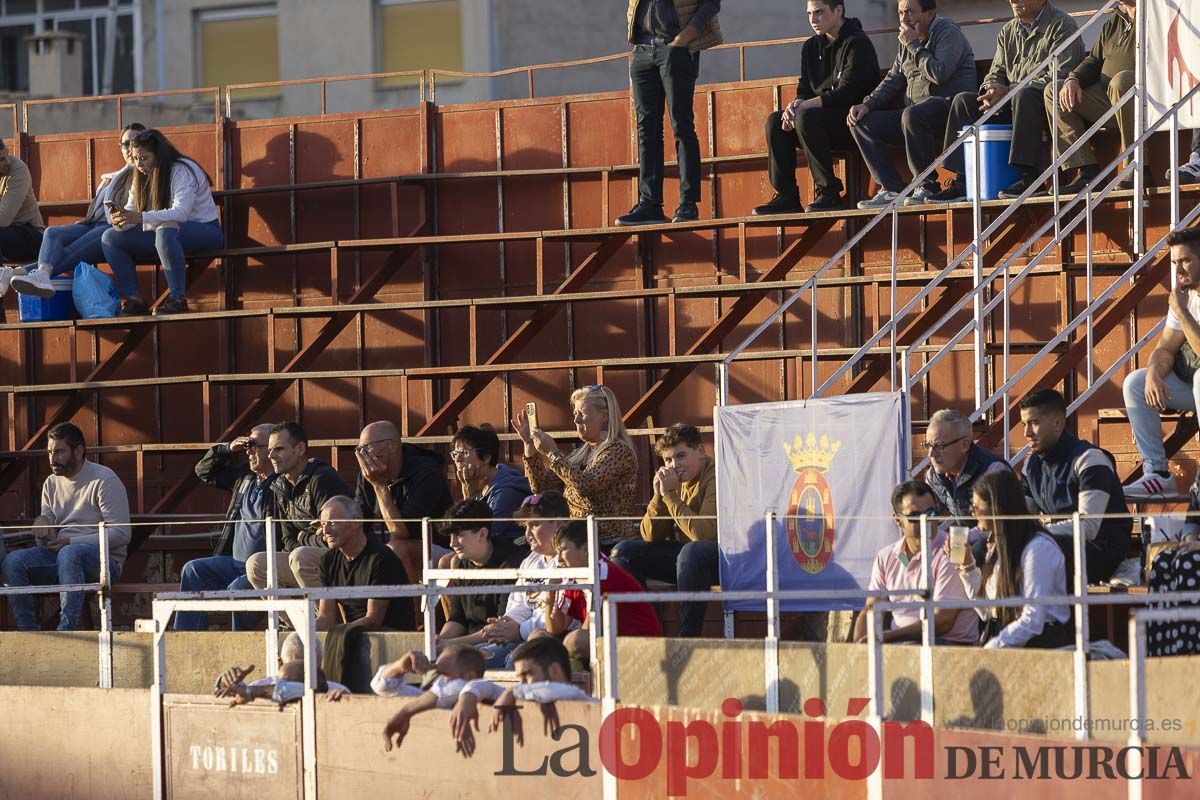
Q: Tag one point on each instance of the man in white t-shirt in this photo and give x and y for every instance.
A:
(1172, 381)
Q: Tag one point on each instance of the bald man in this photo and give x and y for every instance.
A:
(244, 533)
(399, 484)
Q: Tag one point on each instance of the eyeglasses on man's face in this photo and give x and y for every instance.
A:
(940, 447)
(370, 447)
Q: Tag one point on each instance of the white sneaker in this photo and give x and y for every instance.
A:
(1151, 486)
(6, 275)
(920, 196)
(35, 283)
(881, 199)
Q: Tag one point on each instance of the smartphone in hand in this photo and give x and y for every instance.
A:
(531, 416)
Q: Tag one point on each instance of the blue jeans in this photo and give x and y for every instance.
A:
(41, 566)
(123, 249)
(692, 566)
(917, 128)
(499, 656)
(64, 246)
(1146, 422)
(207, 574)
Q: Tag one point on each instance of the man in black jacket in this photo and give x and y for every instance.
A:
(302, 488)
(838, 68)
(400, 484)
(244, 532)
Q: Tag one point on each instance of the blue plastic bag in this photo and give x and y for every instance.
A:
(94, 293)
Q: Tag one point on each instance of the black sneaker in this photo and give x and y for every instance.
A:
(1126, 185)
(133, 307)
(827, 200)
(1083, 176)
(172, 305)
(955, 190)
(642, 214)
(779, 205)
(1019, 186)
(686, 212)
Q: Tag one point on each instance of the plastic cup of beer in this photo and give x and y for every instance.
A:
(958, 543)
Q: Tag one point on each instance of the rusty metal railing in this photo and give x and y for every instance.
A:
(120, 100)
(324, 82)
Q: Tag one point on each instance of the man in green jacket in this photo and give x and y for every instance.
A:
(679, 530)
(1091, 90)
(1036, 30)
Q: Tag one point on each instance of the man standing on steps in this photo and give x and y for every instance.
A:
(1172, 381)
(838, 68)
(667, 37)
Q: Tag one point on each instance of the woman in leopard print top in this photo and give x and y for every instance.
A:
(600, 476)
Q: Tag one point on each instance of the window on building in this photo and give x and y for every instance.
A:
(419, 34)
(239, 45)
(102, 73)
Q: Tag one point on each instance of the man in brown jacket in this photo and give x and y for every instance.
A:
(21, 223)
(667, 37)
(679, 530)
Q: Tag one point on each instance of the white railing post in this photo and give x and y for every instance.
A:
(272, 637)
(1054, 88)
(722, 384)
(1081, 628)
(892, 316)
(1174, 151)
(771, 642)
(978, 354)
(1137, 699)
(429, 600)
(928, 622)
(595, 617)
(104, 600)
(1139, 128)
(308, 705)
(161, 613)
(875, 686)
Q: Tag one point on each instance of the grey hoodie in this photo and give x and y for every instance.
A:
(941, 66)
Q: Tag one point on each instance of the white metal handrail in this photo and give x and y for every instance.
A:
(890, 211)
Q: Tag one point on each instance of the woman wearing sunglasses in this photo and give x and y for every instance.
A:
(170, 213)
(599, 477)
(64, 246)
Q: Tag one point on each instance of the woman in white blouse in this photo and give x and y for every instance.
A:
(170, 212)
(1022, 561)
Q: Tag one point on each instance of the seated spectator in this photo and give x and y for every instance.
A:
(476, 456)
(400, 483)
(170, 214)
(1092, 88)
(544, 515)
(1063, 475)
(838, 68)
(1172, 381)
(76, 497)
(21, 222)
(543, 667)
(599, 477)
(1022, 561)
(64, 246)
(302, 488)
(955, 463)
(288, 683)
(1036, 30)
(679, 531)
(898, 567)
(1175, 569)
(633, 619)
(244, 532)
(444, 679)
(475, 547)
(1189, 171)
(353, 559)
(935, 62)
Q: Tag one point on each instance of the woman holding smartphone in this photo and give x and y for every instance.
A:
(170, 213)
(1022, 561)
(64, 246)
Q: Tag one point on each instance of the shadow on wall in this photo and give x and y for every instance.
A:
(267, 219)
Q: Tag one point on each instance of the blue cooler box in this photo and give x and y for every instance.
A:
(997, 174)
(51, 309)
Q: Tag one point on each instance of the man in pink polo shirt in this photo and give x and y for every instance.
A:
(898, 566)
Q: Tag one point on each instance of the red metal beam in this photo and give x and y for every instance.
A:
(448, 414)
(733, 316)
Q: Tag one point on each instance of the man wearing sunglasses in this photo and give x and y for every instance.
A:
(244, 533)
(400, 484)
(955, 463)
(898, 567)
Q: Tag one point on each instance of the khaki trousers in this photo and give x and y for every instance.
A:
(299, 569)
(1097, 99)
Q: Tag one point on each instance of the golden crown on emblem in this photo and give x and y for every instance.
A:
(811, 453)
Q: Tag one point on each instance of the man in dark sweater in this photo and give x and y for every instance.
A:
(353, 559)
(667, 37)
(401, 484)
(1065, 475)
(302, 487)
(838, 68)
(1092, 88)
